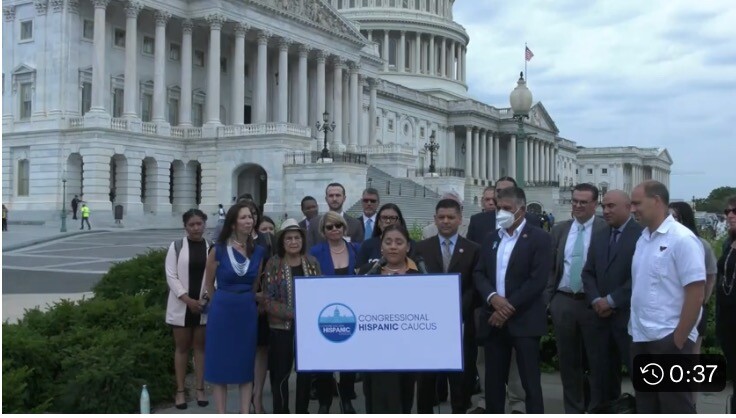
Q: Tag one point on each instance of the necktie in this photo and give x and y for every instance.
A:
(576, 265)
(612, 242)
(368, 229)
(446, 254)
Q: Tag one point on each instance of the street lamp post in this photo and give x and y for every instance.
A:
(63, 204)
(521, 104)
(325, 127)
(432, 147)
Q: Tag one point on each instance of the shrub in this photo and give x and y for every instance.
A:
(415, 231)
(143, 275)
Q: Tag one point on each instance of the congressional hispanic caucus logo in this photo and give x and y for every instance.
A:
(337, 322)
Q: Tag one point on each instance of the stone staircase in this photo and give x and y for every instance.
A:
(417, 202)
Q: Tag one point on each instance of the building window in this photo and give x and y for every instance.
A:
(174, 52)
(174, 112)
(118, 98)
(421, 132)
(223, 64)
(24, 175)
(26, 100)
(146, 106)
(119, 38)
(86, 97)
(590, 171)
(378, 121)
(576, 171)
(365, 3)
(149, 45)
(88, 29)
(604, 170)
(199, 58)
(392, 51)
(26, 30)
(391, 125)
(197, 114)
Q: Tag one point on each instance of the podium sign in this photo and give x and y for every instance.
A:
(378, 323)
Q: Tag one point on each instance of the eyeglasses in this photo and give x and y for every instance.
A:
(370, 201)
(330, 227)
(387, 218)
(576, 202)
(729, 211)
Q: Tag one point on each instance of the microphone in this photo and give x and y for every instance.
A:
(377, 266)
(420, 264)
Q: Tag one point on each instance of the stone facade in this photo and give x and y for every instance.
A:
(160, 107)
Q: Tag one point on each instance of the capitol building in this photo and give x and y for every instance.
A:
(160, 106)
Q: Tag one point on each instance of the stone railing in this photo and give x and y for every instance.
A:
(312, 157)
(76, 122)
(440, 171)
(389, 149)
(119, 124)
(149, 128)
(474, 105)
(268, 128)
(186, 132)
(417, 96)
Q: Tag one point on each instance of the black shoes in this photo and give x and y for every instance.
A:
(204, 402)
(323, 409)
(181, 405)
(347, 407)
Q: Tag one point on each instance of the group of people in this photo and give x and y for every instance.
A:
(602, 280)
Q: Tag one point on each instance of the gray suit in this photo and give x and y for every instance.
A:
(571, 315)
(314, 237)
(608, 272)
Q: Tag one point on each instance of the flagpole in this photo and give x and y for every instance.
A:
(526, 74)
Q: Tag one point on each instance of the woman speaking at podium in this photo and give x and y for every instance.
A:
(390, 392)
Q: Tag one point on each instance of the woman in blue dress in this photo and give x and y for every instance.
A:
(235, 262)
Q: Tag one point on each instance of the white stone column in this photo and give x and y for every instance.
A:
(554, 165)
(451, 147)
(489, 155)
(443, 58)
(527, 150)
(385, 50)
(283, 79)
(432, 59)
(469, 152)
(373, 86)
(452, 75)
(238, 83)
(129, 191)
(40, 29)
(459, 62)
(337, 102)
(159, 70)
(476, 153)
(132, 8)
(98, 67)
(465, 64)
(538, 161)
(496, 156)
(321, 89)
(96, 179)
(185, 101)
(213, 70)
(261, 88)
(345, 140)
(304, 86)
(401, 62)
(8, 36)
(370, 35)
(483, 155)
(353, 141)
(159, 191)
(418, 53)
(512, 156)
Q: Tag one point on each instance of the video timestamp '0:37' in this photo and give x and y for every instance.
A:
(679, 373)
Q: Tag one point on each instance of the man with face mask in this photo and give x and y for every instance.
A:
(568, 304)
(511, 276)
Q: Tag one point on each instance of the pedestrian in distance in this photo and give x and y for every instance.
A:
(5, 218)
(75, 206)
(85, 216)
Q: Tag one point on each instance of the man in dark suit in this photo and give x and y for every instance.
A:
(567, 300)
(510, 277)
(448, 252)
(370, 201)
(335, 198)
(310, 209)
(607, 284)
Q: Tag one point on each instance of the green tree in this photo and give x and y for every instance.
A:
(716, 200)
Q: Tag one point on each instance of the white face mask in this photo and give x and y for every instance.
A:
(504, 219)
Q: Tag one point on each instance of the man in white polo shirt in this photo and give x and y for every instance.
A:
(668, 282)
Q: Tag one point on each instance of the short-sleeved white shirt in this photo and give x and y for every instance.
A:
(665, 261)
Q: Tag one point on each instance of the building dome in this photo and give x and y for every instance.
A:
(422, 32)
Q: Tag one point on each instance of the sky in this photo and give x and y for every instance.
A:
(654, 73)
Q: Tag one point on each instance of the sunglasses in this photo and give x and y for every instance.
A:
(729, 211)
(330, 227)
(370, 201)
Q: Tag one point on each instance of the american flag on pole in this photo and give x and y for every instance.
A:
(528, 54)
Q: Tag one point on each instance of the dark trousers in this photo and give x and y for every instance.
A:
(280, 363)
(663, 402)
(726, 320)
(325, 384)
(498, 359)
(461, 383)
(85, 220)
(575, 330)
(74, 212)
(5, 224)
(613, 345)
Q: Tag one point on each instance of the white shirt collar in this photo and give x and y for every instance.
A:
(588, 224)
(503, 232)
(661, 229)
(372, 218)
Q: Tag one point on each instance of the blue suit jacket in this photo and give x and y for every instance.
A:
(322, 253)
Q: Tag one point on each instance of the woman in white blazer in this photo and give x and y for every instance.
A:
(185, 264)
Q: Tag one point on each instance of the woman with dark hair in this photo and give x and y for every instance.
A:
(266, 225)
(289, 263)
(236, 263)
(391, 392)
(370, 250)
(726, 297)
(683, 213)
(185, 265)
